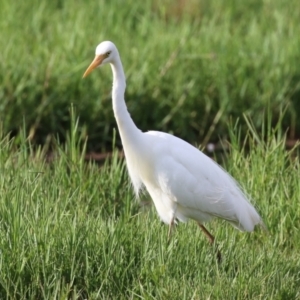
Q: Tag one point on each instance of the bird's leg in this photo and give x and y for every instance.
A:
(210, 237)
(211, 240)
(170, 228)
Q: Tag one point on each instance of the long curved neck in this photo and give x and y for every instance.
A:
(128, 130)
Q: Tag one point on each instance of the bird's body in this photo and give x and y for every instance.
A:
(182, 181)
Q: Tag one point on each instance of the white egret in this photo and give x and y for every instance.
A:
(183, 182)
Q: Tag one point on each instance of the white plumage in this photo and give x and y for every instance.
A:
(182, 181)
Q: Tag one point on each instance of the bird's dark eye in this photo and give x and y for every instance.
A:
(108, 53)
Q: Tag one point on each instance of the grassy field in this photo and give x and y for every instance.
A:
(192, 65)
(72, 230)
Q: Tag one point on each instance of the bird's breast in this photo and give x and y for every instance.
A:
(140, 162)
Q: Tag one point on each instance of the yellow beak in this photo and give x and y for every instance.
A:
(95, 63)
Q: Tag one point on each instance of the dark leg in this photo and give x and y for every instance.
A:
(170, 229)
(211, 239)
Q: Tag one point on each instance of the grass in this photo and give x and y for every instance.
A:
(193, 65)
(72, 230)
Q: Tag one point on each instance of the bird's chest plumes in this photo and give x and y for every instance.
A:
(139, 162)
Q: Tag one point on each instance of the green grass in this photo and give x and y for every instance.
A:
(71, 229)
(191, 65)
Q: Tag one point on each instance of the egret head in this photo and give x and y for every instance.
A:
(106, 52)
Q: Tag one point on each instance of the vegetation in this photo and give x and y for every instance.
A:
(70, 229)
(191, 66)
